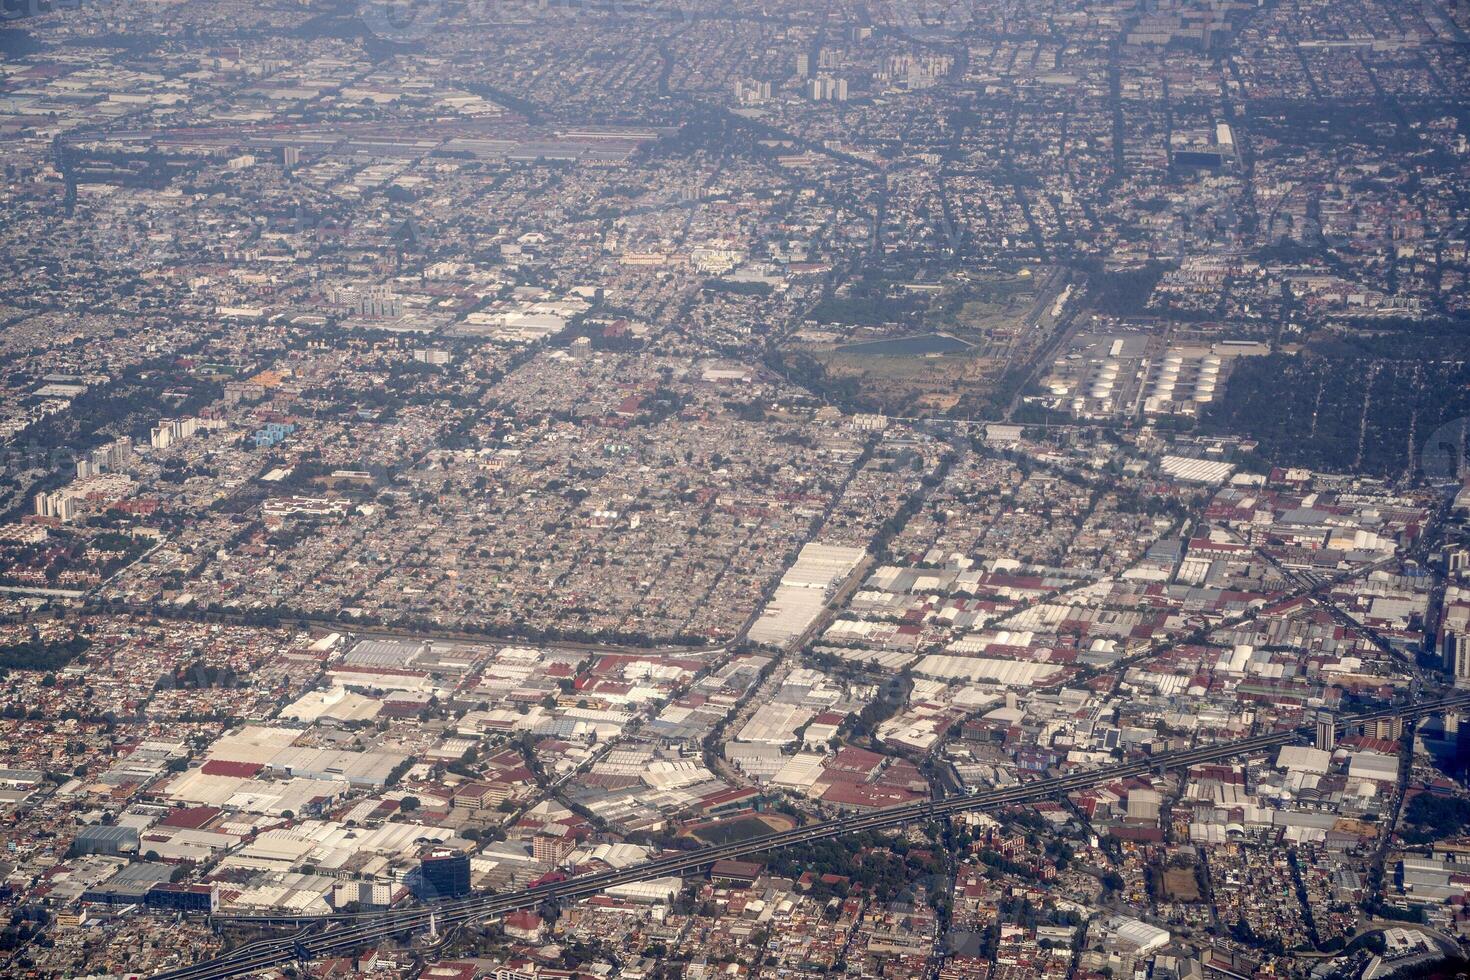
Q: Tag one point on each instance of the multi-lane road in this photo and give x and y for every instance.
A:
(323, 936)
(340, 934)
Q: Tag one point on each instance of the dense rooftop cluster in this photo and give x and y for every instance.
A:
(450, 449)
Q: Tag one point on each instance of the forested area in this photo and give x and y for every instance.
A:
(1360, 401)
(38, 654)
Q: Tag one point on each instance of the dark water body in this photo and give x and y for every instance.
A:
(916, 346)
(1197, 159)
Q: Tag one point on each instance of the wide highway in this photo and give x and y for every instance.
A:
(331, 935)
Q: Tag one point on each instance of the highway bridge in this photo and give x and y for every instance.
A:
(324, 936)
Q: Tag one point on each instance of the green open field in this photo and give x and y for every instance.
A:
(950, 358)
(741, 828)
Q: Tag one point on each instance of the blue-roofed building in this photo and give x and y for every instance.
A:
(271, 434)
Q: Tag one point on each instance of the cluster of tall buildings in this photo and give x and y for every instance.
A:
(825, 88)
(58, 504)
(92, 494)
(169, 431)
(99, 479)
(915, 72)
(114, 457)
(377, 302)
(749, 92)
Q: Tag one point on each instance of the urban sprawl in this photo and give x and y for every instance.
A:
(967, 491)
